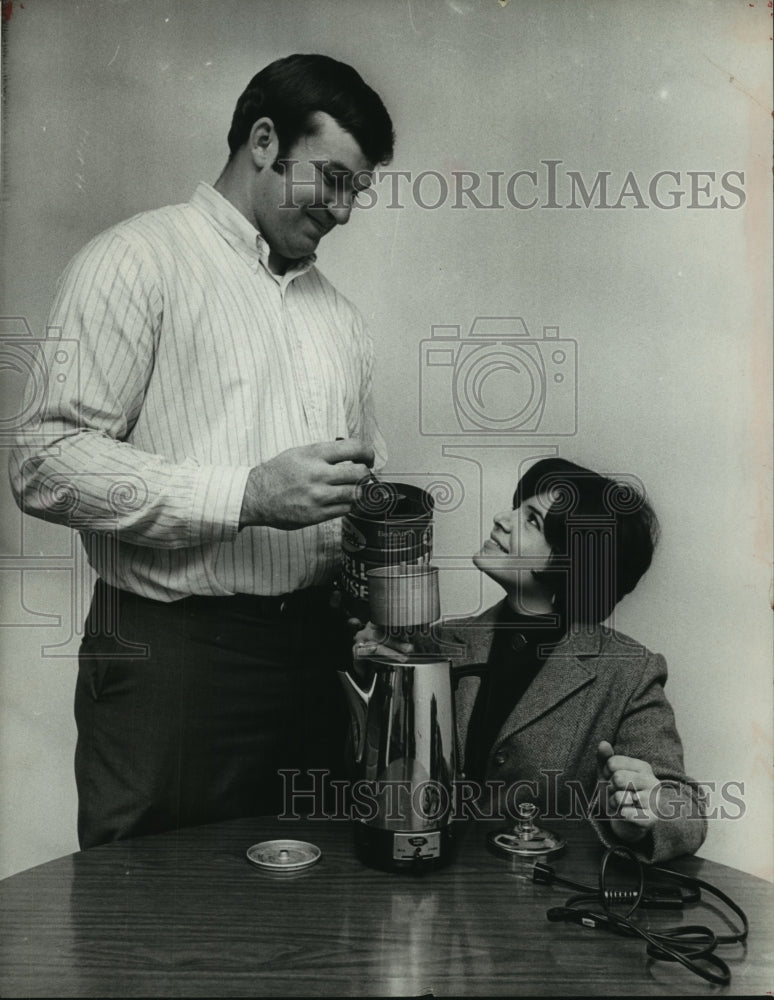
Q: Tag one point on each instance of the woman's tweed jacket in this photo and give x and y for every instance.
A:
(596, 685)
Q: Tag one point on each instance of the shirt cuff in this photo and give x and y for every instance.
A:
(217, 503)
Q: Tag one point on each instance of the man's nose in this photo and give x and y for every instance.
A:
(339, 207)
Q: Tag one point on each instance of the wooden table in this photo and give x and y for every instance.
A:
(186, 914)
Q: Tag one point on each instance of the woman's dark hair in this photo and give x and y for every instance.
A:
(290, 90)
(602, 535)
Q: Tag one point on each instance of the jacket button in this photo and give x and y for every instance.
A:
(499, 759)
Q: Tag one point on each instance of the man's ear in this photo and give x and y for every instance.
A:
(263, 143)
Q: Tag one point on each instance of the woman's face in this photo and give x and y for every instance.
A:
(515, 550)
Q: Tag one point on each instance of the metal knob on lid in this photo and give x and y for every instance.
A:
(526, 839)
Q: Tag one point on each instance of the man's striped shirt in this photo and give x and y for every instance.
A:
(175, 362)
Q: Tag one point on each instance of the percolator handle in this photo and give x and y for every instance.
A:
(471, 670)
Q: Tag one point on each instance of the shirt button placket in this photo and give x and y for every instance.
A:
(312, 401)
(306, 381)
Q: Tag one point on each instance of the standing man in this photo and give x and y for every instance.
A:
(209, 419)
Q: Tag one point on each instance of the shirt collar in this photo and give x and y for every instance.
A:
(240, 234)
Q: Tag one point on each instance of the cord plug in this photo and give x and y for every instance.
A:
(543, 874)
(664, 898)
(568, 914)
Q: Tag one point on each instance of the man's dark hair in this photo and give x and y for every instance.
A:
(602, 535)
(290, 91)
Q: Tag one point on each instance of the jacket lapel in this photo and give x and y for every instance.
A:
(570, 666)
(474, 635)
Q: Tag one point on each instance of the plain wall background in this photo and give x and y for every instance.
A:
(110, 108)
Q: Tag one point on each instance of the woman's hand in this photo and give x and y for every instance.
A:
(370, 640)
(632, 793)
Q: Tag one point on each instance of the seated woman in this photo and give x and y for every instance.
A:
(567, 709)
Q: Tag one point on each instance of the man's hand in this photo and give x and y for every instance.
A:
(632, 793)
(305, 485)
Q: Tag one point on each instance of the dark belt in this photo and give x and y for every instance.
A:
(298, 604)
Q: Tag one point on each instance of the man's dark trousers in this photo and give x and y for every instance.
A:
(186, 711)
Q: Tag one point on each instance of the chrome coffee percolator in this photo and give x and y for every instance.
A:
(403, 733)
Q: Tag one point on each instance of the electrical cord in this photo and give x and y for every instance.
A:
(692, 945)
(654, 896)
